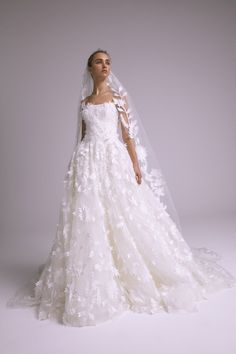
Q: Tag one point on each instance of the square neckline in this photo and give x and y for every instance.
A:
(98, 104)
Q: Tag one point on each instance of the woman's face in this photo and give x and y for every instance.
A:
(101, 66)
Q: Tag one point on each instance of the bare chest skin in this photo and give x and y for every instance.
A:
(98, 99)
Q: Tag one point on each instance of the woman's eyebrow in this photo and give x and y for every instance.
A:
(101, 59)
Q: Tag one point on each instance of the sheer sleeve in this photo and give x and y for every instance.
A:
(124, 118)
(127, 127)
(81, 127)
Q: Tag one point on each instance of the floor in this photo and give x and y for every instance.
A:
(209, 331)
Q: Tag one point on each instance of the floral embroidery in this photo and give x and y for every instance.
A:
(115, 248)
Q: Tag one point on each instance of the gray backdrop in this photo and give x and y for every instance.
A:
(177, 58)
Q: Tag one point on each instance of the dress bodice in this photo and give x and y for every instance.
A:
(101, 121)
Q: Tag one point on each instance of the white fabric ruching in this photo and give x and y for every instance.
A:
(116, 248)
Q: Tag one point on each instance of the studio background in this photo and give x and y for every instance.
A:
(176, 58)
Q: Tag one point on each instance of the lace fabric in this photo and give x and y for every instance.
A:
(116, 247)
(133, 129)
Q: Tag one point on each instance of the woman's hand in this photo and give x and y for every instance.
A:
(137, 171)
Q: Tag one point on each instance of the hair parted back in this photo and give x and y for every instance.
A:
(99, 50)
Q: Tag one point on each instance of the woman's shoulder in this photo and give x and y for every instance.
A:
(84, 100)
(115, 94)
(119, 99)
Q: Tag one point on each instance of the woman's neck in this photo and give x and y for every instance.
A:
(99, 88)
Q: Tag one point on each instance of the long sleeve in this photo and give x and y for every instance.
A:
(79, 126)
(127, 126)
(124, 117)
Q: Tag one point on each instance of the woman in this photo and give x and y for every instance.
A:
(99, 68)
(117, 248)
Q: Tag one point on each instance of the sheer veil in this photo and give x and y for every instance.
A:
(216, 277)
(148, 161)
(133, 123)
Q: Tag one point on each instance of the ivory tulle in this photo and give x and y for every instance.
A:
(116, 248)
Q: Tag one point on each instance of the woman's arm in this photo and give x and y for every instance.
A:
(83, 129)
(129, 143)
(83, 122)
(128, 140)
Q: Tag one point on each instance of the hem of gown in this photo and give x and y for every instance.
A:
(204, 258)
(146, 311)
(130, 308)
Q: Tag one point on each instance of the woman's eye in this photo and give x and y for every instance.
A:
(99, 61)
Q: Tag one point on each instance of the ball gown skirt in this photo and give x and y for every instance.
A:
(116, 247)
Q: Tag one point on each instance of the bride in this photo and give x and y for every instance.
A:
(119, 244)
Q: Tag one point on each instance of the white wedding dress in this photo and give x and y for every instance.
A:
(116, 248)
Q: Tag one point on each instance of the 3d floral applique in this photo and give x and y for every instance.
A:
(116, 248)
